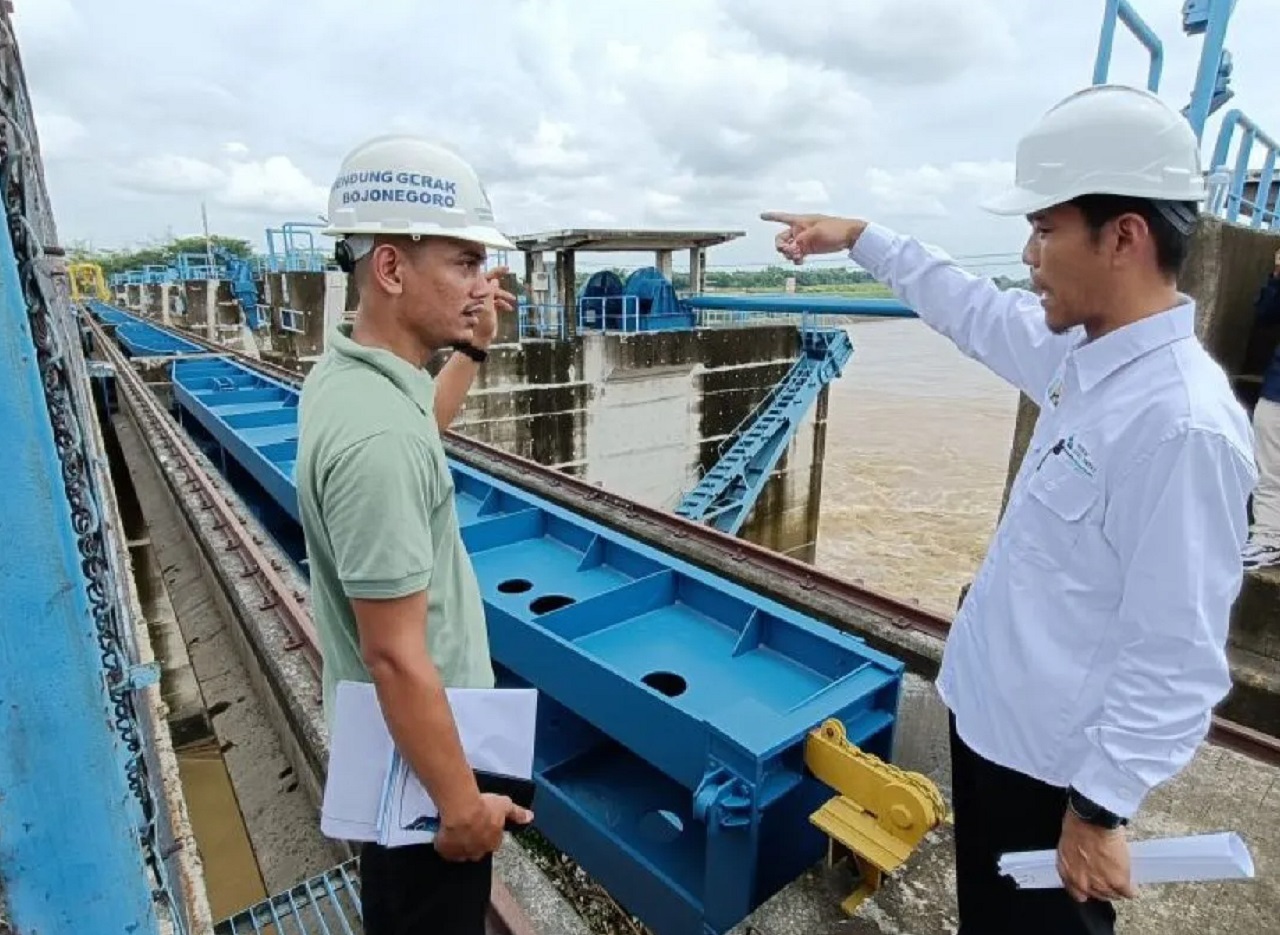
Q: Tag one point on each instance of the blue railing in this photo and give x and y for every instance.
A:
(1260, 208)
(1227, 182)
(1121, 11)
(292, 256)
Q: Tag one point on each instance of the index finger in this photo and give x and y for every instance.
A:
(781, 217)
(497, 271)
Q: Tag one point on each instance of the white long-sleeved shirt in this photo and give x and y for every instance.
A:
(1089, 651)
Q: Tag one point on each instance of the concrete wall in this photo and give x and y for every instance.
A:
(643, 415)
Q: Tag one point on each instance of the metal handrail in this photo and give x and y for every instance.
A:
(1260, 214)
(1121, 11)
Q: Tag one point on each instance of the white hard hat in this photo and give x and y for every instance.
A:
(408, 185)
(1105, 140)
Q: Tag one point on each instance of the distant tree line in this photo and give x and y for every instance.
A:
(158, 254)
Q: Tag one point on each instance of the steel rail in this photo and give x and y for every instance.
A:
(276, 594)
(795, 573)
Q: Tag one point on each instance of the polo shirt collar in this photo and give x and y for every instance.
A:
(1096, 360)
(414, 382)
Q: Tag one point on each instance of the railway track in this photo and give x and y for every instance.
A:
(791, 573)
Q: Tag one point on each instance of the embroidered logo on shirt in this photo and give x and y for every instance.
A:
(1079, 455)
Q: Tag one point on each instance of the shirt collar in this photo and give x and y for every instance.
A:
(1096, 360)
(414, 382)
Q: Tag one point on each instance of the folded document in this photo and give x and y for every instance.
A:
(371, 794)
(1156, 860)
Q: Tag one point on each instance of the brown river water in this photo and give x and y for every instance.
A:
(917, 448)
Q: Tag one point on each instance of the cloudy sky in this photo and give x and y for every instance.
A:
(665, 113)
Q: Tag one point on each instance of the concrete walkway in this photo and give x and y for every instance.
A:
(1220, 790)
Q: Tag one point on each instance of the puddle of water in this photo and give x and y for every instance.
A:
(231, 872)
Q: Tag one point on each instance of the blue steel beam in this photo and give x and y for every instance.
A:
(799, 304)
(726, 494)
(70, 852)
(674, 704)
(139, 337)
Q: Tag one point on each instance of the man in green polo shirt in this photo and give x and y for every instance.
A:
(394, 596)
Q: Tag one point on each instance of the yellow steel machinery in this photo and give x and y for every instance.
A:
(87, 282)
(881, 813)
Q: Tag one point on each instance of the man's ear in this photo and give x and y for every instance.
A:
(385, 269)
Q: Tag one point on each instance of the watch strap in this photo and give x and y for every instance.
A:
(475, 353)
(1092, 813)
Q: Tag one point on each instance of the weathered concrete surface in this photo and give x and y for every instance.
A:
(644, 414)
(279, 815)
(1220, 790)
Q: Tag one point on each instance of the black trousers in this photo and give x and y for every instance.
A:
(412, 890)
(998, 810)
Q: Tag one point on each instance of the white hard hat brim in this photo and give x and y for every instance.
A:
(488, 236)
(1019, 201)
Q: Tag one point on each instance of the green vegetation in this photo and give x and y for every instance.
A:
(156, 254)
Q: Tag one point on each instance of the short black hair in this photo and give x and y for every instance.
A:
(1172, 244)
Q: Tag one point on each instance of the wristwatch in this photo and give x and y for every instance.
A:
(1092, 813)
(472, 351)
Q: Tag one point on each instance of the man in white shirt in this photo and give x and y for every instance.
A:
(1083, 666)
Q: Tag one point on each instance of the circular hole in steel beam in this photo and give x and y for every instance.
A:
(668, 683)
(661, 825)
(548, 602)
(514, 586)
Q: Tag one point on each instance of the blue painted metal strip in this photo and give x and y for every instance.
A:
(800, 303)
(726, 494)
(139, 337)
(70, 857)
(666, 689)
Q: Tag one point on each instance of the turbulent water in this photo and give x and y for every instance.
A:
(917, 448)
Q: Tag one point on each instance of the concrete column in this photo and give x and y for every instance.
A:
(697, 265)
(211, 309)
(166, 290)
(567, 291)
(662, 260)
(508, 325)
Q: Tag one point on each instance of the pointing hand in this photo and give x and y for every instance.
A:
(813, 233)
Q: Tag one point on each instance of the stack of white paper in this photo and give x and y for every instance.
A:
(1157, 860)
(370, 792)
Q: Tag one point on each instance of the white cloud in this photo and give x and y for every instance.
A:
(930, 191)
(662, 112)
(60, 136)
(911, 41)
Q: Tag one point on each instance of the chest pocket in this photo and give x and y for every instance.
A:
(1058, 513)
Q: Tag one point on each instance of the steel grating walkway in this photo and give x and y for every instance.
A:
(327, 904)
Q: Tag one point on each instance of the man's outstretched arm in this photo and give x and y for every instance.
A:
(1001, 328)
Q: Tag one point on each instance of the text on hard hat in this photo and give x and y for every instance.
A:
(410, 187)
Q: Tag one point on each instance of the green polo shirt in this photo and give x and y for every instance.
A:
(376, 500)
